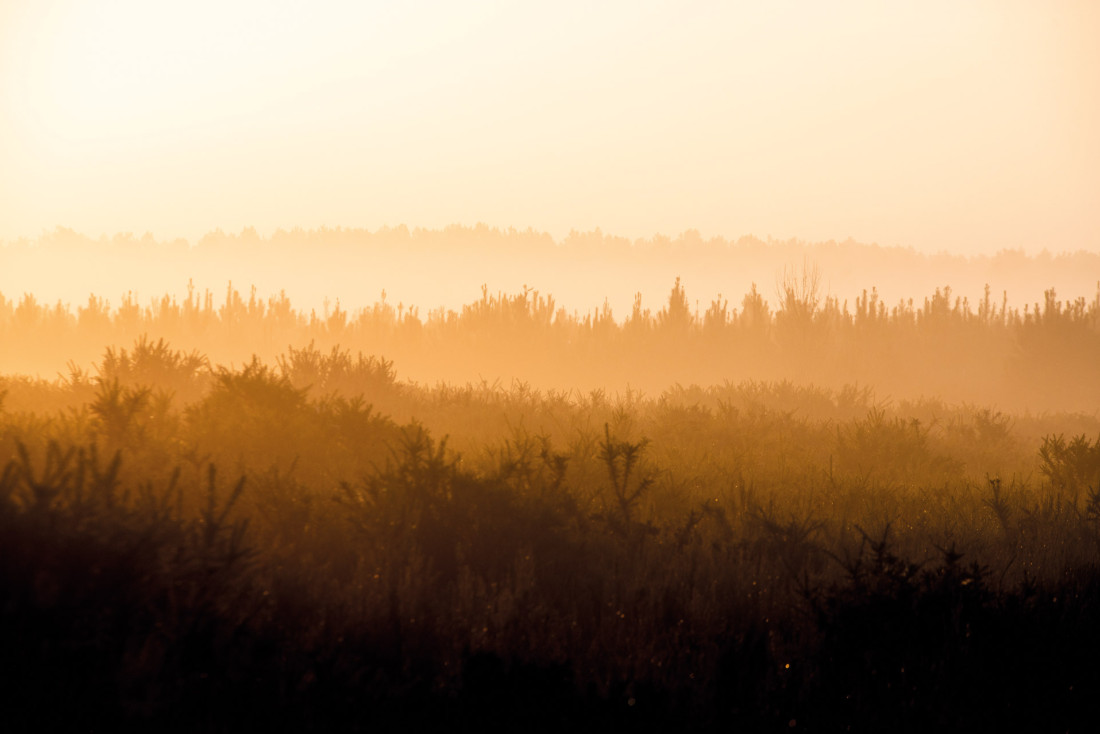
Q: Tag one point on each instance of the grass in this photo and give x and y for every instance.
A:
(196, 548)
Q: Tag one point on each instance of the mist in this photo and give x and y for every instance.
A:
(620, 366)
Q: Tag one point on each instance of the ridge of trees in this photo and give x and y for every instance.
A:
(1042, 356)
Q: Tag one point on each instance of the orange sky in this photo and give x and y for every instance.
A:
(965, 126)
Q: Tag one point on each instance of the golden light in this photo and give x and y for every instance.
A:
(931, 125)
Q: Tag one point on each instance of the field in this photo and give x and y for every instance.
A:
(549, 366)
(898, 530)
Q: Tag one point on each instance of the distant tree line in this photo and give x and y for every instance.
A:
(443, 267)
(1044, 356)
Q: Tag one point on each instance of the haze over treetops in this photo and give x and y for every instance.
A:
(940, 126)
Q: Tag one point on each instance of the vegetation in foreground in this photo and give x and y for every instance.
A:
(312, 545)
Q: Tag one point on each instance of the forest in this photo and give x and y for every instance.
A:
(1037, 358)
(786, 513)
(584, 270)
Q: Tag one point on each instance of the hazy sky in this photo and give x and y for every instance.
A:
(967, 126)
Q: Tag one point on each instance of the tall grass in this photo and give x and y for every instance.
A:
(196, 547)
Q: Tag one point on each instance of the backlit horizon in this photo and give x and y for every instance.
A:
(965, 129)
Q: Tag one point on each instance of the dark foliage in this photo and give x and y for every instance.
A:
(267, 555)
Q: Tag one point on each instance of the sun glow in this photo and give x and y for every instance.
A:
(133, 72)
(934, 125)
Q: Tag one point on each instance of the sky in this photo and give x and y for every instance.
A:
(961, 126)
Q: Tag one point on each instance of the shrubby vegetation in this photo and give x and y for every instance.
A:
(309, 543)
